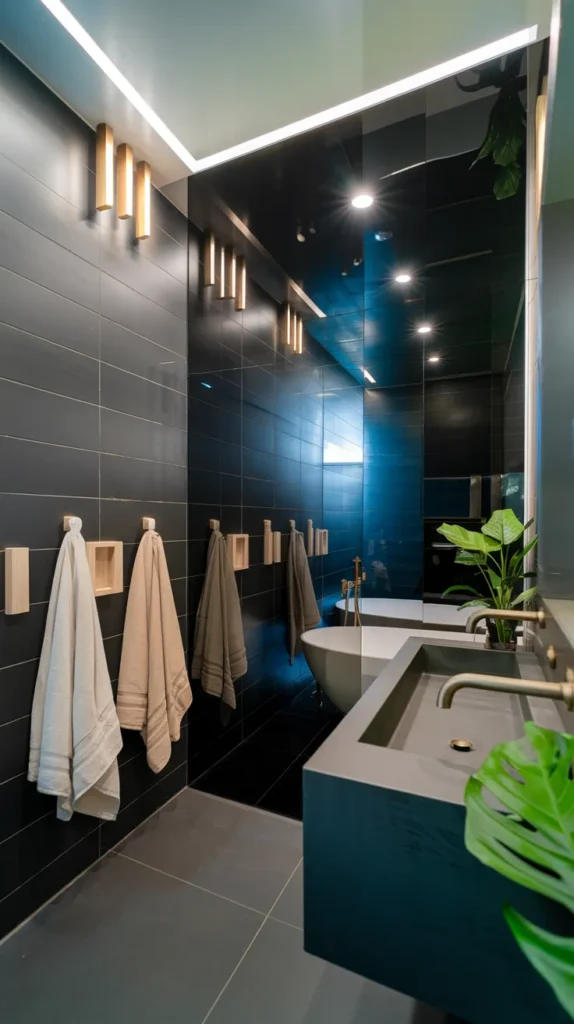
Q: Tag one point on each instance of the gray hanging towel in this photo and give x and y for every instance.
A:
(303, 609)
(219, 656)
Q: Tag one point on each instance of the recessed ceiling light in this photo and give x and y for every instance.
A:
(403, 278)
(362, 201)
(434, 359)
(368, 377)
(424, 329)
(344, 273)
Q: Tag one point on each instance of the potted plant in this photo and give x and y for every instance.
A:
(498, 555)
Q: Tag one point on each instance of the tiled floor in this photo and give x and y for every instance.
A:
(196, 917)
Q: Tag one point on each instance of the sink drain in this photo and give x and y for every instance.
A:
(463, 746)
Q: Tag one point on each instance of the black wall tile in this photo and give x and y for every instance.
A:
(28, 467)
(41, 416)
(64, 400)
(41, 364)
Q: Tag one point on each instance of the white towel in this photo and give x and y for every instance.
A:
(75, 734)
(219, 656)
(153, 689)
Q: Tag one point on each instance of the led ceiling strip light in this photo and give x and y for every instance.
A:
(371, 99)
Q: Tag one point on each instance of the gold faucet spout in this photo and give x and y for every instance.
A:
(504, 613)
(506, 684)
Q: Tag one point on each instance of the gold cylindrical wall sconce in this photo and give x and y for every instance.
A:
(104, 167)
(287, 325)
(221, 292)
(209, 259)
(241, 283)
(231, 274)
(143, 200)
(125, 181)
(294, 330)
(299, 337)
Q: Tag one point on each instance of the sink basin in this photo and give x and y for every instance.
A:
(390, 890)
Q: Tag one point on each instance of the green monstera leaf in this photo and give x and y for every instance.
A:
(531, 840)
(468, 539)
(551, 955)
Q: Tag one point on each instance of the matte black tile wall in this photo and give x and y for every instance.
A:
(93, 376)
(258, 428)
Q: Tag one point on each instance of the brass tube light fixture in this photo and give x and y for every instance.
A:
(287, 325)
(209, 259)
(104, 167)
(299, 338)
(221, 293)
(231, 275)
(125, 181)
(241, 283)
(143, 200)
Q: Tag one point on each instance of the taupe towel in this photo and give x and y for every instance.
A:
(75, 735)
(153, 689)
(303, 609)
(219, 653)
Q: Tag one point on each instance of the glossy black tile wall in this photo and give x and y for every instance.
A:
(257, 423)
(93, 380)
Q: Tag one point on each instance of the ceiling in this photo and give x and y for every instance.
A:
(219, 72)
(434, 215)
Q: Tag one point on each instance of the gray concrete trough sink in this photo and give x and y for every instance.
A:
(390, 890)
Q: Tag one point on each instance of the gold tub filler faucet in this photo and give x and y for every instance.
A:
(348, 586)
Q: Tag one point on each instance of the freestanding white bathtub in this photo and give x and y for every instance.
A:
(346, 661)
(385, 611)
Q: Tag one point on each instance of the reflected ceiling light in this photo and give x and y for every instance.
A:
(383, 236)
(424, 329)
(434, 359)
(369, 377)
(362, 201)
(84, 39)
(447, 69)
(403, 278)
(300, 235)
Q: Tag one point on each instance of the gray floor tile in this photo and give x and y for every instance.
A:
(236, 851)
(290, 905)
(123, 944)
(278, 982)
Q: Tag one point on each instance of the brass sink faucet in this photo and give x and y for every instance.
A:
(504, 613)
(506, 684)
(347, 586)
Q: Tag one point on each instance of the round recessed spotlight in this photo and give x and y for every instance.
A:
(300, 236)
(424, 329)
(344, 273)
(383, 236)
(403, 278)
(434, 359)
(362, 201)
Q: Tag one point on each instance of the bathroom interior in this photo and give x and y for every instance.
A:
(323, 347)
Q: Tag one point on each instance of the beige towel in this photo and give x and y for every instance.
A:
(219, 653)
(153, 688)
(75, 735)
(303, 609)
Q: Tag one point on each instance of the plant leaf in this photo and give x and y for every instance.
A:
(534, 843)
(523, 597)
(504, 526)
(519, 557)
(468, 539)
(551, 955)
(456, 589)
(470, 557)
(507, 181)
(495, 579)
(482, 602)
